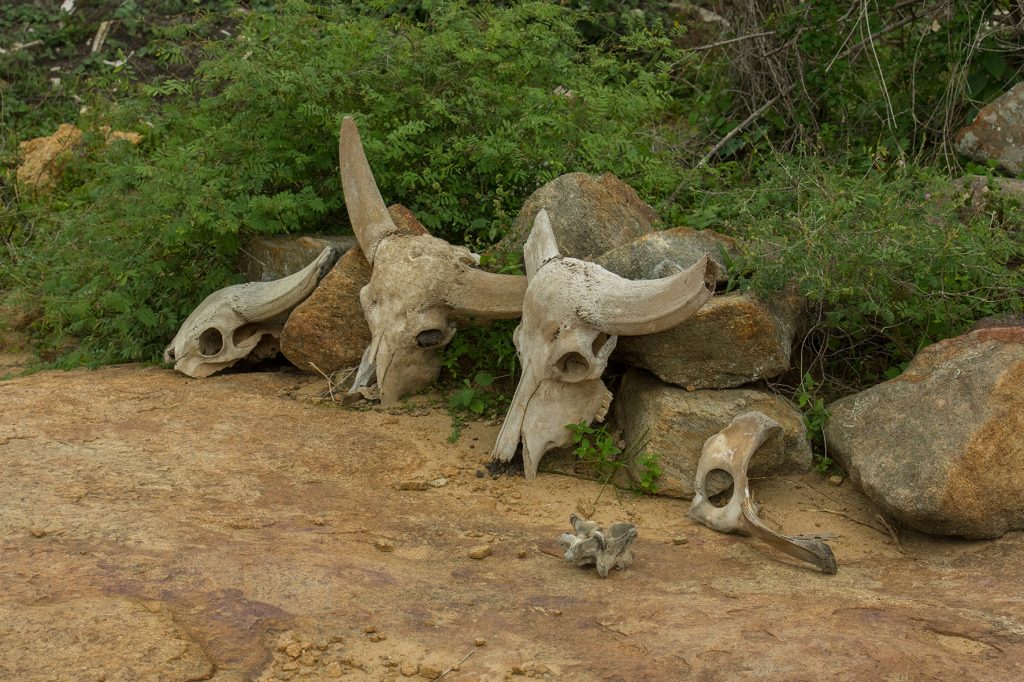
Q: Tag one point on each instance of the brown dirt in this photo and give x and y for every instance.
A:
(155, 526)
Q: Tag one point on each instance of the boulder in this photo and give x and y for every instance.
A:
(328, 329)
(675, 423)
(590, 214)
(939, 448)
(732, 340)
(997, 132)
(270, 257)
(43, 158)
(660, 254)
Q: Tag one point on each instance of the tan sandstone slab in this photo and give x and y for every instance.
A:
(249, 519)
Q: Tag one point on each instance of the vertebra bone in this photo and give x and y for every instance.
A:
(591, 544)
(418, 283)
(243, 321)
(572, 312)
(730, 451)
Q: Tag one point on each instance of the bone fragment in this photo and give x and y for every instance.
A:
(730, 451)
(589, 544)
(101, 36)
(243, 321)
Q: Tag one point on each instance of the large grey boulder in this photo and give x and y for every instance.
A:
(675, 423)
(270, 257)
(941, 447)
(660, 254)
(590, 214)
(732, 340)
(997, 132)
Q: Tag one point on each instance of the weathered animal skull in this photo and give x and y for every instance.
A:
(418, 284)
(573, 313)
(730, 451)
(242, 322)
(591, 544)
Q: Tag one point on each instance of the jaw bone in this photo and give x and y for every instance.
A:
(730, 451)
(605, 549)
(419, 283)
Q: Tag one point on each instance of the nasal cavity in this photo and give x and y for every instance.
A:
(211, 342)
(429, 338)
(573, 366)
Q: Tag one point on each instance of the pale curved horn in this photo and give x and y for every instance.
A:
(370, 219)
(540, 246)
(636, 307)
(258, 301)
(488, 295)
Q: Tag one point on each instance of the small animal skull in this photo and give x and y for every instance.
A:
(573, 313)
(418, 284)
(242, 322)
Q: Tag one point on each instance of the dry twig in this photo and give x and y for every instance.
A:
(464, 659)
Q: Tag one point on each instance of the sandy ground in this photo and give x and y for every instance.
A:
(238, 527)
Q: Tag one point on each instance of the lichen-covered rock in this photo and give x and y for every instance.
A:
(675, 423)
(328, 329)
(42, 158)
(660, 254)
(270, 257)
(732, 340)
(940, 447)
(590, 214)
(997, 132)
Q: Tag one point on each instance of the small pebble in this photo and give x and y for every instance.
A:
(835, 480)
(333, 670)
(429, 672)
(319, 521)
(680, 540)
(293, 650)
(413, 485)
(370, 629)
(378, 637)
(480, 552)
(37, 532)
(384, 545)
(479, 641)
(439, 482)
(480, 473)
(409, 669)
(290, 665)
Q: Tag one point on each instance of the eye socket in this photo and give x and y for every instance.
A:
(211, 342)
(429, 338)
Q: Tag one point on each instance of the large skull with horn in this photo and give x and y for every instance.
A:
(417, 285)
(573, 313)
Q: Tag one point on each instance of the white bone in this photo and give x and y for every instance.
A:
(417, 285)
(589, 544)
(243, 321)
(730, 451)
(572, 312)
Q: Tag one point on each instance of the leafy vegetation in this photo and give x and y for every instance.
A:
(595, 447)
(816, 133)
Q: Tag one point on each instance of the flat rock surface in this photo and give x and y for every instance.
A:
(154, 526)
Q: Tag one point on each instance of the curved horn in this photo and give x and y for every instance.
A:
(636, 307)
(259, 301)
(540, 246)
(370, 219)
(485, 294)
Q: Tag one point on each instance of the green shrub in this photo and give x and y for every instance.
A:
(890, 261)
(462, 116)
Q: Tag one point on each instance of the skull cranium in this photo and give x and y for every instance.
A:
(242, 322)
(418, 284)
(573, 313)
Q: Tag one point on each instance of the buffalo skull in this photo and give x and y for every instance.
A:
(417, 285)
(242, 322)
(573, 313)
